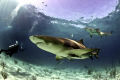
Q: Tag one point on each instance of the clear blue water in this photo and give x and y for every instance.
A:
(29, 22)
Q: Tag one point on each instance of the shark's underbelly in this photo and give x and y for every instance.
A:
(60, 50)
(55, 49)
(94, 33)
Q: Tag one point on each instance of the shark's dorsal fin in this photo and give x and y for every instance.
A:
(81, 41)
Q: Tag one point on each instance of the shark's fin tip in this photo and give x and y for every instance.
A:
(81, 41)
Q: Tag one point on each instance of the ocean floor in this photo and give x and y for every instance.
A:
(14, 69)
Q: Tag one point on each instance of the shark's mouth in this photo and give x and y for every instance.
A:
(38, 43)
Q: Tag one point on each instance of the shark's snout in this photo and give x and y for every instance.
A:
(31, 38)
(36, 39)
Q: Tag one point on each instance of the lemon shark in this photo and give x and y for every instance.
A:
(96, 32)
(63, 47)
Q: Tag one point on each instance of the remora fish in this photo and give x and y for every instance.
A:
(96, 32)
(64, 48)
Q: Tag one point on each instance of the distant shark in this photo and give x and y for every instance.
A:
(64, 48)
(96, 32)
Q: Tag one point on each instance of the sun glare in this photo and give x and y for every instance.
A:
(23, 2)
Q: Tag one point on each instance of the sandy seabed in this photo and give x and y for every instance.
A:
(14, 69)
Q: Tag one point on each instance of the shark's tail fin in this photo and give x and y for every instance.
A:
(110, 33)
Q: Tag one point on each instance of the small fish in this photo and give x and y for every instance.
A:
(71, 35)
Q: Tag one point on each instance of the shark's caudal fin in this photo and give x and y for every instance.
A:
(110, 33)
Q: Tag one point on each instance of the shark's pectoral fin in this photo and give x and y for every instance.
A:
(58, 57)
